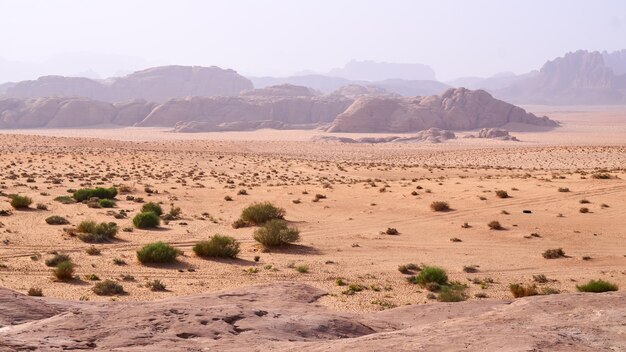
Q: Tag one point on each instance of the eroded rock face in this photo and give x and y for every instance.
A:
(455, 109)
(496, 133)
(580, 77)
(156, 84)
(286, 316)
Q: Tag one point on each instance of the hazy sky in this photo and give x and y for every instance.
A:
(279, 37)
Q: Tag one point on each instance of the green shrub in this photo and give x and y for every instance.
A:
(157, 252)
(431, 274)
(519, 290)
(554, 253)
(260, 213)
(152, 207)
(56, 220)
(146, 220)
(218, 246)
(84, 194)
(597, 286)
(65, 200)
(302, 269)
(276, 233)
(20, 202)
(439, 206)
(106, 203)
(108, 288)
(58, 258)
(64, 271)
(92, 232)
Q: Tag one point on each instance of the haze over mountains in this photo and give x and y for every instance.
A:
(368, 98)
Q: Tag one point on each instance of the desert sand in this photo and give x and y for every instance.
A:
(368, 189)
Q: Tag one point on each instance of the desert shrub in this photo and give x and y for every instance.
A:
(84, 194)
(156, 285)
(237, 224)
(584, 201)
(106, 203)
(108, 288)
(597, 286)
(20, 202)
(57, 259)
(35, 292)
(92, 251)
(157, 252)
(392, 231)
(439, 206)
(452, 294)
(495, 225)
(64, 271)
(146, 220)
(260, 213)
(431, 274)
(41, 206)
(302, 269)
(502, 194)
(92, 232)
(65, 200)
(583, 210)
(276, 233)
(56, 220)
(553, 253)
(601, 176)
(152, 207)
(563, 189)
(218, 246)
(520, 290)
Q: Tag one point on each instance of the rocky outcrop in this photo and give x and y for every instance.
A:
(281, 90)
(69, 112)
(577, 78)
(288, 316)
(354, 91)
(156, 84)
(431, 135)
(496, 133)
(455, 109)
(213, 112)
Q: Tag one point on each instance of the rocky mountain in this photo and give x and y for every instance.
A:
(280, 107)
(288, 316)
(456, 109)
(616, 61)
(156, 84)
(577, 78)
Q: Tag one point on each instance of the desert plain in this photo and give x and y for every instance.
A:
(364, 190)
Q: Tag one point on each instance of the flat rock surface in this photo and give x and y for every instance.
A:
(286, 316)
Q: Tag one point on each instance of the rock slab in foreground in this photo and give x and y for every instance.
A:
(286, 317)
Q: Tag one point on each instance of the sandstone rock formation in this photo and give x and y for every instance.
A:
(577, 78)
(455, 109)
(496, 133)
(156, 84)
(281, 90)
(288, 317)
(379, 71)
(354, 91)
(432, 135)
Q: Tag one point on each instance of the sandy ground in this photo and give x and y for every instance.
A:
(368, 189)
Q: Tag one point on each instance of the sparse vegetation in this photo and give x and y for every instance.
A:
(495, 225)
(392, 231)
(218, 246)
(20, 202)
(158, 252)
(260, 213)
(92, 232)
(156, 285)
(597, 286)
(276, 233)
(152, 207)
(430, 274)
(57, 259)
(554, 253)
(502, 194)
(64, 270)
(56, 220)
(439, 206)
(520, 290)
(146, 220)
(108, 288)
(85, 194)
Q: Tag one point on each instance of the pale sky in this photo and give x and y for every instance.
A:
(280, 37)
